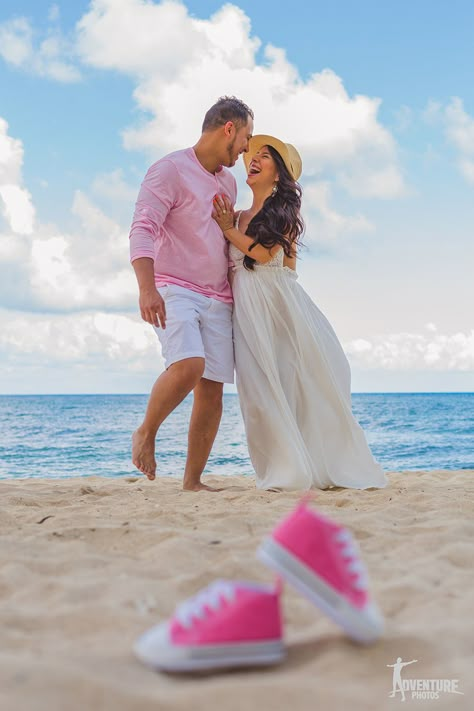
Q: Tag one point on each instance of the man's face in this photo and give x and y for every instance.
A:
(239, 142)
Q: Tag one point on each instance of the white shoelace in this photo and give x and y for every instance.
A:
(350, 552)
(210, 598)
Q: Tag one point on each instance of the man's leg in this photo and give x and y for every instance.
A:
(205, 419)
(169, 390)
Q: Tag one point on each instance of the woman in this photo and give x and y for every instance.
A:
(293, 378)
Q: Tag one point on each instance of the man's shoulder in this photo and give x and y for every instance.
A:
(169, 160)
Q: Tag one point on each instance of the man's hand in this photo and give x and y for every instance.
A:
(152, 307)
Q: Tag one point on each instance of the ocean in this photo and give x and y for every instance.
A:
(83, 435)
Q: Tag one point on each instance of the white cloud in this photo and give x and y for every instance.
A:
(15, 200)
(16, 41)
(181, 64)
(324, 224)
(467, 169)
(18, 208)
(433, 112)
(178, 61)
(134, 36)
(115, 196)
(101, 338)
(460, 126)
(168, 53)
(97, 338)
(53, 13)
(115, 190)
(403, 118)
(460, 133)
(414, 351)
(50, 58)
(431, 156)
(87, 268)
(379, 182)
(42, 267)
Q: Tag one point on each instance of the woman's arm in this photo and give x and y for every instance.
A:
(242, 242)
(223, 214)
(290, 261)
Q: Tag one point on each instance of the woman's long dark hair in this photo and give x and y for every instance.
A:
(279, 220)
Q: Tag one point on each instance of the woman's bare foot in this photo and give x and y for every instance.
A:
(199, 487)
(143, 453)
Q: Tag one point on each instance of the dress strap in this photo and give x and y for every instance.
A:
(237, 219)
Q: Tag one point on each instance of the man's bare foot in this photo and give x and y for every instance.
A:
(143, 454)
(199, 487)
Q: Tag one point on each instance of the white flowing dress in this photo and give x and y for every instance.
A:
(293, 380)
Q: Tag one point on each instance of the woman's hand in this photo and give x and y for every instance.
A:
(223, 212)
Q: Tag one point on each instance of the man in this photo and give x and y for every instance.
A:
(180, 258)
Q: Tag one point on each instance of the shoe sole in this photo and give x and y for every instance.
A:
(203, 658)
(361, 626)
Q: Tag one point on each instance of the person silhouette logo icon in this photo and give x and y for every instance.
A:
(397, 683)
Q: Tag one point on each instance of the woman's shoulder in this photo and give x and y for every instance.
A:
(238, 215)
(243, 214)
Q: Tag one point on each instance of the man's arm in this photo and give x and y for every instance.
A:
(155, 200)
(152, 305)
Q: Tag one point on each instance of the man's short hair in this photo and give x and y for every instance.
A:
(227, 108)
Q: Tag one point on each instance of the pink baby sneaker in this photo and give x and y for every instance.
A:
(228, 624)
(321, 559)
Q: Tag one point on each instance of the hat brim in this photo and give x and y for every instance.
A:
(257, 142)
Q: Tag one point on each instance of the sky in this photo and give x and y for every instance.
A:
(377, 97)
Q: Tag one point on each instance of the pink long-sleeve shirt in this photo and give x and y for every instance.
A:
(173, 225)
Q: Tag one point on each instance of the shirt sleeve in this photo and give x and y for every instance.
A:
(158, 194)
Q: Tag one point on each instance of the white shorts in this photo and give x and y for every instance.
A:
(197, 327)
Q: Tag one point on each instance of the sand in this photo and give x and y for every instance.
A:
(88, 564)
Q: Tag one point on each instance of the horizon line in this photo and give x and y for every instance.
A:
(361, 392)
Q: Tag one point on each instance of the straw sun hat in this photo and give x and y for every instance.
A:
(290, 155)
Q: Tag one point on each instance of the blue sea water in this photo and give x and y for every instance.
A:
(81, 435)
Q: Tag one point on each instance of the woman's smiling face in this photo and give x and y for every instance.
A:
(262, 169)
